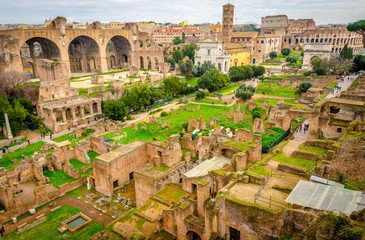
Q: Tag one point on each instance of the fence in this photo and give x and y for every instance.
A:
(266, 149)
(271, 202)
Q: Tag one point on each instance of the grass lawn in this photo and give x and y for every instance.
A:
(208, 100)
(171, 194)
(5, 160)
(58, 177)
(93, 155)
(48, 229)
(77, 164)
(129, 135)
(227, 90)
(300, 162)
(271, 64)
(70, 137)
(280, 92)
(273, 101)
(317, 150)
(241, 145)
(261, 170)
(192, 82)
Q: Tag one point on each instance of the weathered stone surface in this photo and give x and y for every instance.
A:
(258, 126)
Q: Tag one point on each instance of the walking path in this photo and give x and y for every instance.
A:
(300, 136)
(70, 201)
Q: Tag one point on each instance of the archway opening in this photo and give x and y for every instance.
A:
(84, 55)
(68, 114)
(149, 67)
(118, 50)
(156, 64)
(37, 48)
(95, 108)
(141, 63)
(300, 127)
(192, 236)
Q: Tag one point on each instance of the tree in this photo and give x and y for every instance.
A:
(346, 52)
(358, 27)
(258, 70)
(114, 109)
(177, 55)
(189, 50)
(303, 87)
(273, 54)
(171, 61)
(173, 86)
(189, 69)
(200, 95)
(240, 73)
(256, 113)
(10, 80)
(359, 63)
(285, 51)
(213, 80)
(177, 40)
(206, 66)
(317, 66)
(235, 73)
(244, 92)
(183, 37)
(291, 59)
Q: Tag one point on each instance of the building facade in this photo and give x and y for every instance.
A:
(213, 51)
(239, 55)
(163, 35)
(227, 30)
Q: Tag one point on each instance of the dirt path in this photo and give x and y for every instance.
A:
(70, 201)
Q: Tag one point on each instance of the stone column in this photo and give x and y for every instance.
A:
(8, 129)
(73, 114)
(64, 116)
(91, 109)
(99, 108)
(82, 109)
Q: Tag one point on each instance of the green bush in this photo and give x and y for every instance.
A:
(303, 87)
(244, 92)
(291, 59)
(164, 114)
(285, 51)
(273, 54)
(200, 95)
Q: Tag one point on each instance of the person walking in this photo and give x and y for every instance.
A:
(2, 231)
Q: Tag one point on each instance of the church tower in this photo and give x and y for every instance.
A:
(227, 29)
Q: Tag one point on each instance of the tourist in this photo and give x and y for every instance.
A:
(7, 148)
(2, 231)
(28, 142)
(50, 136)
(300, 127)
(225, 103)
(4, 151)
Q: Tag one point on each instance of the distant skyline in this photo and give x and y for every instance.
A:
(193, 11)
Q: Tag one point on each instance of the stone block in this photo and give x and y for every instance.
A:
(31, 211)
(96, 79)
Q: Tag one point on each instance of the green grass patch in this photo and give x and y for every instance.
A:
(261, 170)
(93, 155)
(241, 145)
(77, 164)
(275, 90)
(300, 162)
(171, 194)
(70, 137)
(161, 168)
(5, 160)
(49, 228)
(272, 135)
(317, 150)
(227, 90)
(354, 85)
(210, 101)
(58, 177)
(270, 64)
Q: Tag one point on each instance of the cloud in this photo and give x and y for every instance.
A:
(323, 11)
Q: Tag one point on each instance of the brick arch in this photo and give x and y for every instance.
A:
(84, 54)
(121, 50)
(312, 118)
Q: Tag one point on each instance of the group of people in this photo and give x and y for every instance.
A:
(304, 127)
(2, 231)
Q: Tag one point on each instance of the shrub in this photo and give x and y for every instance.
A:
(291, 59)
(213, 80)
(285, 51)
(164, 114)
(303, 87)
(273, 54)
(307, 73)
(244, 92)
(200, 95)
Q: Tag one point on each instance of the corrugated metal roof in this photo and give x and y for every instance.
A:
(325, 197)
(208, 165)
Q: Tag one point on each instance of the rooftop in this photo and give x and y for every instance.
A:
(326, 197)
(117, 153)
(208, 165)
(245, 34)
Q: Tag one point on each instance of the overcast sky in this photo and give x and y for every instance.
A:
(193, 11)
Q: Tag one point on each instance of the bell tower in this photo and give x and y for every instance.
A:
(227, 22)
